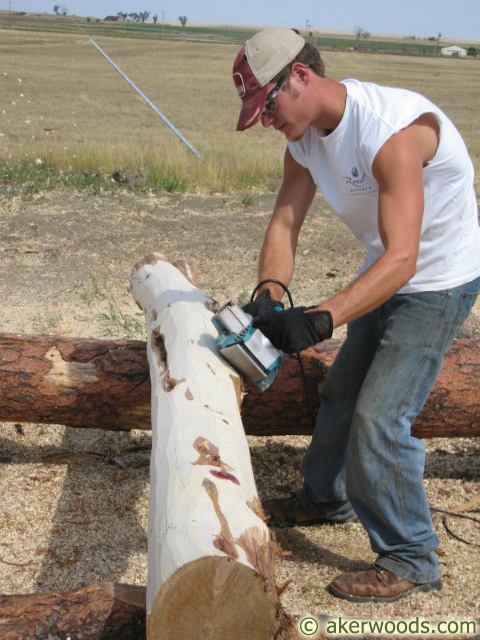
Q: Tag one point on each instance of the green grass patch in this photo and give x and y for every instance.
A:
(118, 324)
(160, 179)
(115, 321)
(28, 178)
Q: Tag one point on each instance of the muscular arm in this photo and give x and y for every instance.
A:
(277, 257)
(398, 170)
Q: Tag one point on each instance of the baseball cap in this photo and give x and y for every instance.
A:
(257, 63)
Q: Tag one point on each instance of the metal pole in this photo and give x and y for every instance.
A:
(149, 102)
(140, 93)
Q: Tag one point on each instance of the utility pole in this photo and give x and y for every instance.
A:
(163, 21)
(9, 12)
(307, 29)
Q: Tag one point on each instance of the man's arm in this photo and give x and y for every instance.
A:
(398, 170)
(277, 257)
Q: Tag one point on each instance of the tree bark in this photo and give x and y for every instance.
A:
(210, 555)
(452, 410)
(106, 611)
(79, 382)
(105, 384)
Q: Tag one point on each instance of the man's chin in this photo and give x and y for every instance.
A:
(293, 137)
(291, 134)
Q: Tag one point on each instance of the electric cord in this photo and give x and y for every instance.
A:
(455, 514)
(312, 417)
(308, 398)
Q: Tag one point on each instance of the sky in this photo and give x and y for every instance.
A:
(455, 19)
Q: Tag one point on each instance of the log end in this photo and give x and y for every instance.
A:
(151, 259)
(216, 598)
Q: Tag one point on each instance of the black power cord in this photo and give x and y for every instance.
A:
(299, 359)
(312, 416)
(456, 514)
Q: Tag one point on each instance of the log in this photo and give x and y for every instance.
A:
(452, 410)
(73, 381)
(210, 555)
(106, 611)
(105, 384)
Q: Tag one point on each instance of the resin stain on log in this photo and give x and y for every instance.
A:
(150, 259)
(158, 349)
(256, 506)
(224, 475)
(64, 373)
(218, 413)
(209, 454)
(187, 270)
(261, 553)
(238, 387)
(224, 540)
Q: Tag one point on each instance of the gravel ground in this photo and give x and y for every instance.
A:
(74, 503)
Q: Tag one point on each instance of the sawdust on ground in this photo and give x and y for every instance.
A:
(74, 504)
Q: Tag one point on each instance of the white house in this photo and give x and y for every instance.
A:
(454, 50)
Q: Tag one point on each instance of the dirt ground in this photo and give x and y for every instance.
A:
(74, 504)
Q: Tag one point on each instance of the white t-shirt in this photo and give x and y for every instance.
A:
(341, 166)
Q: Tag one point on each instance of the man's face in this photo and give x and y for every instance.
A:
(287, 115)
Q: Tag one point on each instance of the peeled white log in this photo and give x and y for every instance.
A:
(210, 557)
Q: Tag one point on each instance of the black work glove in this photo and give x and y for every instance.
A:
(294, 330)
(262, 304)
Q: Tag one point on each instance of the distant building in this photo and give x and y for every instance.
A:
(112, 18)
(454, 50)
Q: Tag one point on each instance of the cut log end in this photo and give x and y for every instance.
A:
(151, 258)
(197, 602)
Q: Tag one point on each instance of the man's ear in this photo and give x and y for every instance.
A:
(300, 72)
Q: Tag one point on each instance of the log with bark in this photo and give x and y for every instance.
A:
(106, 611)
(105, 384)
(210, 554)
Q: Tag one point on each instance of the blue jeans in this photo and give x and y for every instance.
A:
(362, 459)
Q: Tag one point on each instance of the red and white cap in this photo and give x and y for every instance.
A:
(257, 63)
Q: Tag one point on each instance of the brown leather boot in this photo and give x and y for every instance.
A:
(376, 585)
(287, 512)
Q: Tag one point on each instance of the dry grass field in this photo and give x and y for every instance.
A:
(63, 103)
(74, 502)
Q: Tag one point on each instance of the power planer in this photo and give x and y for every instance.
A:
(246, 348)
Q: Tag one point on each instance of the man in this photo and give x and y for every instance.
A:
(397, 172)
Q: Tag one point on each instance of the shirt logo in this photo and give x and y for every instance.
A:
(357, 183)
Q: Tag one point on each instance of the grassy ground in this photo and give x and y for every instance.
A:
(68, 117)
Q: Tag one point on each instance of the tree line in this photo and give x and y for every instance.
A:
(136, 17)
(143, 16)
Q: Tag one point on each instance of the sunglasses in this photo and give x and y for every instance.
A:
(271, 105)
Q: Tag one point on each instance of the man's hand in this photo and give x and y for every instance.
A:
(262, 304)
(293, 330)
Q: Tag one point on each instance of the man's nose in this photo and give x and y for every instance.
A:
(267, 119)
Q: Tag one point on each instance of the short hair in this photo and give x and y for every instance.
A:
(309, 56)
